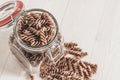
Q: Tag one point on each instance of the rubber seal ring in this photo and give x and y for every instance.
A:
(13, 15)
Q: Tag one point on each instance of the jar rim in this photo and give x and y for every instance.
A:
(38, 48)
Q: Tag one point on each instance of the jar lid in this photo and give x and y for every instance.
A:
(9, 11)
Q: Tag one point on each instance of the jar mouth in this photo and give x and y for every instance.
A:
(37, 48)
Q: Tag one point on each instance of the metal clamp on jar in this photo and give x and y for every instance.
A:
(11, 13)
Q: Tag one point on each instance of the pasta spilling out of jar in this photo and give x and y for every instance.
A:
(36, 29)
(69, 67)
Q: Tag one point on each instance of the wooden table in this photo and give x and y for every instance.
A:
(94, 24)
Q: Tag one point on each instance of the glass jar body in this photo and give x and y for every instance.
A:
(30, 58)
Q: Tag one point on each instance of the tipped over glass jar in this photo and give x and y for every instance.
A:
(35, 36)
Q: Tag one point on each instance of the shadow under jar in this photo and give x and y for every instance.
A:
(29, 41)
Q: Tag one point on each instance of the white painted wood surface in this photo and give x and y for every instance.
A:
(94, 24)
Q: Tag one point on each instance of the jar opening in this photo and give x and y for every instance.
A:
(40, 47)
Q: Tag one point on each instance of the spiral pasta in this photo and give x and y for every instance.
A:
(70, 45)
(26, 38)
(38, 26)
(33, 30)
(42, 37)
(68, 68)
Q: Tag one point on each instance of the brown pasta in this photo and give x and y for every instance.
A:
(50, 36)
(86, 74)
(42, 37)
(42, 22)
(55, 52)
(83, 54)
(89, 70)
(80, 71)
(81, 63)
(36, 16)
(47, 18)
(38, 25)
(27, 32)
(56, 59)
(27, 38)
(49, 78)
(57, 77)
(72, 52)
(69, 62)
(69, 68)
(74, 66)
(70, 45)
(32, 77)
(36, 29)
(31, 22)
(59, 37)
(75, 49)
(93, 68)
(35, 43)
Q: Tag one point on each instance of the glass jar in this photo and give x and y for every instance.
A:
(30, 57)
(19, 49)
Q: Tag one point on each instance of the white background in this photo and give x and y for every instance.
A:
(94, 24)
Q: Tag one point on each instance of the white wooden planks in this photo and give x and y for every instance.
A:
(4, 49)
(102, 50)
(115, 44)
(82, 21)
